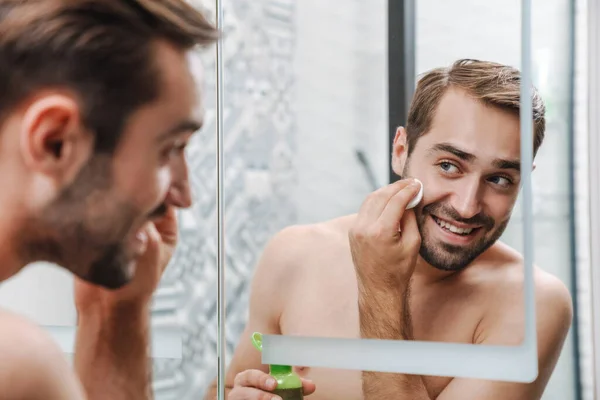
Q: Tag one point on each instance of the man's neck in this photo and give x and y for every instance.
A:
(11, 258)
(425, 273)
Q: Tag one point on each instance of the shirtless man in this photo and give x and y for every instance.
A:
(96, 107)
(350, 277)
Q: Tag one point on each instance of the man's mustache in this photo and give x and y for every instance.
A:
(159, 212)
(444, 211)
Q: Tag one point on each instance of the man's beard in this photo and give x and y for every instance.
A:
(448, 257)
(112, 269)
(85, 230)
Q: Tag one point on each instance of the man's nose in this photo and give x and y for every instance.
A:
(180, 195)
(467, 201)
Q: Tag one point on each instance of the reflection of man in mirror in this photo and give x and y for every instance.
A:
(436, 272)
(96, 107)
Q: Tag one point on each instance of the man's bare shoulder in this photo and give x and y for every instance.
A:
(331, 230)
(510, 267)
(19, 335)
(299, 240)
(32, 364)
(503, 278)
(287, 262)
(294, 248)
(504, 267)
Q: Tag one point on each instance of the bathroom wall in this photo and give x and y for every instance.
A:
(261, 125)
(43, 292)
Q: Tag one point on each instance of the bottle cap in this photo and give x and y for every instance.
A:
(275, 369)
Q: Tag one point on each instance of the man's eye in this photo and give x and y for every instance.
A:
(448, 167)
(179, 148)
(175, 149)
(501, 181)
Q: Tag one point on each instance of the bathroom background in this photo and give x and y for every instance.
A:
(306, 139)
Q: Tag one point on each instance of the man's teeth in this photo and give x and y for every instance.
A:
(452, 228)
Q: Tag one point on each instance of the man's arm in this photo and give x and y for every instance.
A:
(384, 243)
(385, 314)
(113, 346)
(273, 276)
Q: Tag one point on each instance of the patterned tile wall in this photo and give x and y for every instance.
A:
(259, 127)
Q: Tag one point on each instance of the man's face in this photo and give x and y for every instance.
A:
(469, 163)
(92, 227)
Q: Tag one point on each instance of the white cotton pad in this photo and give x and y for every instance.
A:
(417, 199)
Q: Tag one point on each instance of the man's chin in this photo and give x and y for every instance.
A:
(109, 283)
(109, 276)
(443, 260)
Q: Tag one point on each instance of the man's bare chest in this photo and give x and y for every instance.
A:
(328, 308)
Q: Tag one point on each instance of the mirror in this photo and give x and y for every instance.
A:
(470, 182)
(305, 117)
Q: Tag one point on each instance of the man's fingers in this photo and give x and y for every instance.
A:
(377, 201)
(308, 386)
(256, 385)
(411, 237)
(391, 215)
(152, 238)
(256, 379)
(248, 393)
(167, 226)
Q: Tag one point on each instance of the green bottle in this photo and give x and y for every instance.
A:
(289, 384)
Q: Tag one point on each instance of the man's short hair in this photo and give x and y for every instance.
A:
(101, 50)
(494, 84)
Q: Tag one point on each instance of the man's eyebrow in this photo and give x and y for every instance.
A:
(463, 155)
(508, 164)
(449, 148)
(182, 127)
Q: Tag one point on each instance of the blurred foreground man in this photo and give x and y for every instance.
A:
(433, 273)
(96, 107)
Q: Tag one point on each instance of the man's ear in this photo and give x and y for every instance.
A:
(53, 140)
(399, 151)
(533, 169)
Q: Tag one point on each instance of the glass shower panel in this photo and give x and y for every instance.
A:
(186, 302)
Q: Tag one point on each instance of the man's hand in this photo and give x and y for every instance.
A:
(161, 238)
(112, 351)
(385, 239)
(257, 385)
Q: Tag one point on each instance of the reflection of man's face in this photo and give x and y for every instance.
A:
(469, 163)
